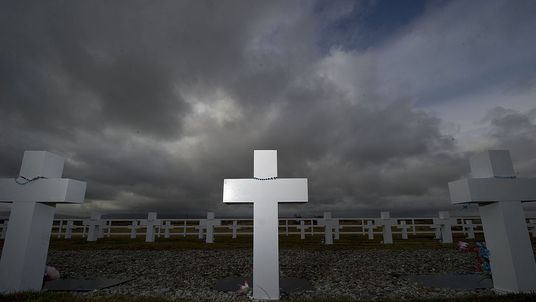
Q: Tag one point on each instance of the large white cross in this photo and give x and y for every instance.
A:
(34, 194)
(498, 193)
(265, 191)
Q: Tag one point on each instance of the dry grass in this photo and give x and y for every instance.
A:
(291, 242)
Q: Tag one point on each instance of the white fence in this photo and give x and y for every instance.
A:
(416, 226)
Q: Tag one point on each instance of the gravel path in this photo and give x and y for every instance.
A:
(354, 274)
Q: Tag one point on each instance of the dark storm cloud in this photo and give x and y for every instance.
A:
(155, 103)
(516, 131)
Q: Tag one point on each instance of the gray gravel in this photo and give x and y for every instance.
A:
(354, 274)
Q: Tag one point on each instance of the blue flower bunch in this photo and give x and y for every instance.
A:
(483, 254)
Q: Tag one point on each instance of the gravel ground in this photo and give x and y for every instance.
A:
(354, 274)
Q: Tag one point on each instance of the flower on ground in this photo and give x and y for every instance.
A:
(463, 246)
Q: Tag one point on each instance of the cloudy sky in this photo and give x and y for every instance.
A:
(378, 103)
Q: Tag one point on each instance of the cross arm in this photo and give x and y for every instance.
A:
(55, 190)
(482, 190)
(247, 190)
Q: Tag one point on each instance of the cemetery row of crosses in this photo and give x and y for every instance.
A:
(493, 186)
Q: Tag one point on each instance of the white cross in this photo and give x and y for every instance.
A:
(302, 227)
(60, 227)
(265, 191)
(134, 225)
(200, 230)
(108, 228)
(443, 225)
(209, 224)
(150, 223)
(94, 227)
(167, 228)
(499, 193)
(404, 229)
(69, 229)
(386, 222)
(469, 228)
(370, 229)
(34, 194)
(337, 233)
(330, 225)
(437, 230)
(234, 227)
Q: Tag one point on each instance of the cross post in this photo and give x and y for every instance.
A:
(150, 223)
(444, 226)
(167, 226)
(370, 229)
(34, 195)
(209, 224)
(499, 194)
(94, 226)
(302, 227)
(69, 229)
(386, 223)
(331, 225)
(234, 227)
(265, 191)
(404, 229)
(469, 228)
(133, 228)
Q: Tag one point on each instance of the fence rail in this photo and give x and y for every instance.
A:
(244, 227)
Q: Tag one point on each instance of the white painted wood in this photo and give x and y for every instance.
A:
(370, 229)
(151, 223)
(234, 227)
(386, 223)
(499, 194)
(94, 226)
(469, 227)
(444, 226)
(134, 225)
(403, 229)
(265, 196)
(208, 225)
(330, 225)
(167, 226)
(34, 195)
(302, 227)
(69, 229)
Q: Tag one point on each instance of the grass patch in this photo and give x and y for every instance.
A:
(351, 242)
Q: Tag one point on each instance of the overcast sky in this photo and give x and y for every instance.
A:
(378, 103)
